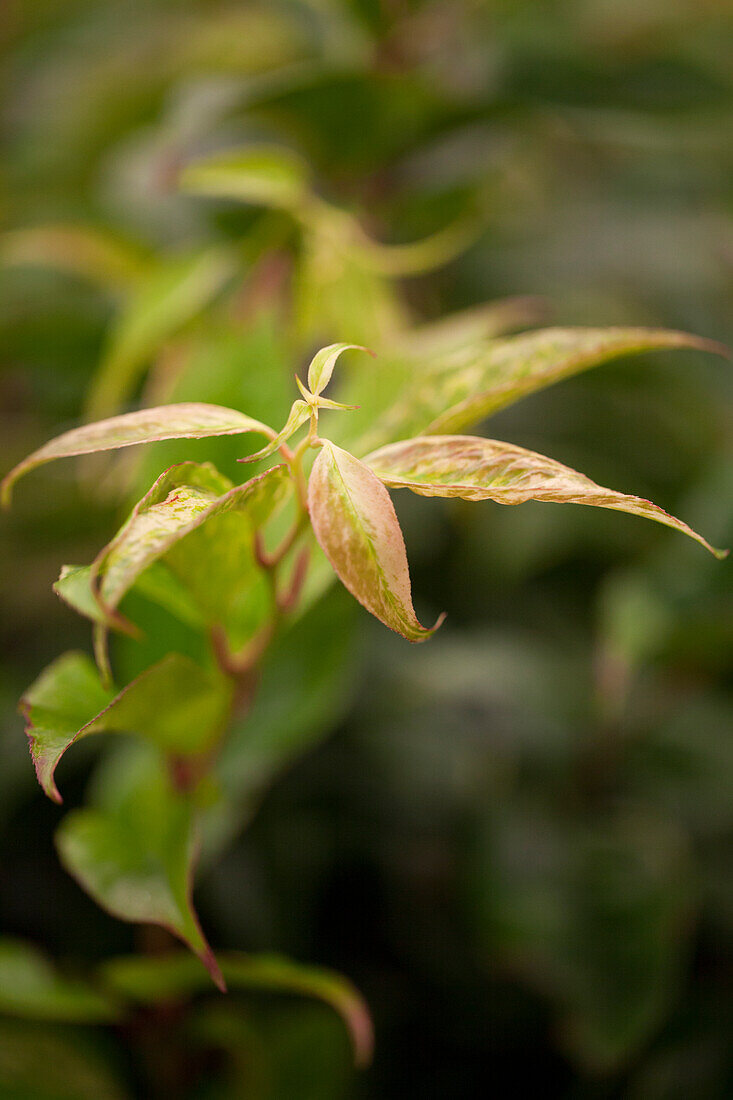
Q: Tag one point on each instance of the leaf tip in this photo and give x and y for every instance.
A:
(208, 958)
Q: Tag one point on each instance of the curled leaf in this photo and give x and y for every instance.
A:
(355, 523)
(485, 469)
(321, 367)
(188, 420)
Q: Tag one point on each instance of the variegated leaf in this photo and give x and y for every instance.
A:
(355, 523)
(466, 385)
(485, 469)
(188, 420)
(183, 498)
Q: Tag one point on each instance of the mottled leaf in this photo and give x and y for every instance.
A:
(189, 420)
(31, 987)
(134, 851)
(264, 175)
(321, 367)
(355, 523)
(174, 293)
(155, 981)
(484, 469)
(466, 384)
(504, 372)
(176, 705)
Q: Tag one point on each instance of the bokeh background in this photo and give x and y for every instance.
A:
(515, 840)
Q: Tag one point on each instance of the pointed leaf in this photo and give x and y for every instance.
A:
(265, 175)
(355, 523)
(134, 854)
(320, 370)
(299, 413)
(485, 469)
(174, 293)
(176, 705)
(188, 420)
(31, 987)
(506, 371)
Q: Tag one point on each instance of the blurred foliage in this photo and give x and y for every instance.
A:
(515, 840)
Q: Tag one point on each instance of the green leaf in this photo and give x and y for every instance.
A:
(355, 523)
(321, 367)
(157, 583)
(31, 987)
(176, 705)
(466, 384)
(155, 981)
(92, 253)
(163, 302)
(484, 469)
(189, 420)
(299, 413)
(134, 854)
(260, 174)
(61, 702)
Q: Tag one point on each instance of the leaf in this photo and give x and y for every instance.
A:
(61, 702)
(299, 413)
(469, 326)
(466, 384)
(183, 499)
(31, 987)
(134, 854)
(321, 367)
(484, 469)
(163, 302)
(180, 499)
(355, 523)
(157, 583)
(175, 704)
(504, 372)
(266, 175)
(189, 420)
(91, 253)
(155, 981)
